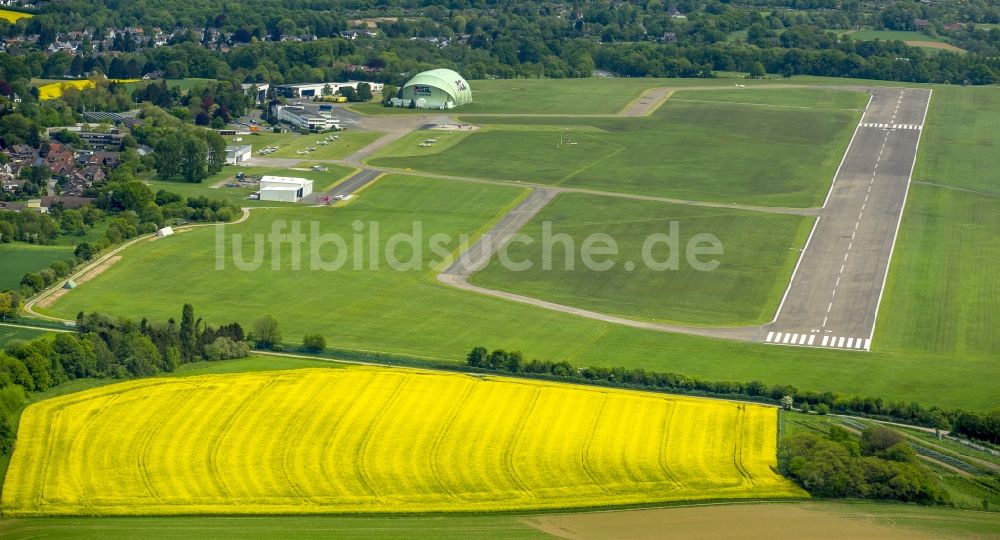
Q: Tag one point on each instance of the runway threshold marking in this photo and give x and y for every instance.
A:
(809, 340)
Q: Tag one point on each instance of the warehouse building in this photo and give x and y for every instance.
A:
(435, 89)
(258, 91)
(284, 188)
(236, 154)
(303, 118)
(316, 89)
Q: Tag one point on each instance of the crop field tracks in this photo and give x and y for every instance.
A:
(378, 440)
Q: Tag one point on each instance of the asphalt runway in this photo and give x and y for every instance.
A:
(834, 295)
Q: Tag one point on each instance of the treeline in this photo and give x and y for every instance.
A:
(881, 465)
(108, 348)
(180, 150)
(208, 104)
(518, 39)
(982, 426)
(880, 60)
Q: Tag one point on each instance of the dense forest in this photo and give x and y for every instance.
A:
(297, 41)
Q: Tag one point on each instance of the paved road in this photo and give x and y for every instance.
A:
(834, 295)
(475, 258)
(345, 188)
(647, 103)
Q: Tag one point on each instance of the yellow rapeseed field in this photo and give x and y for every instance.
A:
(55, 90)
(375, 440)
(13, 16)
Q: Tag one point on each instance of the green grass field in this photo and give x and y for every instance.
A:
(960, 146)
(818, 98)
(411, 313)
(940, 522)
(182, 84)
(409, 145)
(724, 152)
(18, 258)
(558, 96)
(290, 144)
(944, 285)
(322, 181)
(240, 528)
(9, 333)
(893, 35)
(759, 252)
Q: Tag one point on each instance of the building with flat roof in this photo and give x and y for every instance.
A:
(238, 153)
(316, 89)
(284, 188)
(303, 118)
(258, 91)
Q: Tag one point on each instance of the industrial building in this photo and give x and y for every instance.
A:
(236, 154)
(92, 135)
(304, 118)
(258, 91)
(316, 89)
(435, 89)
(284, 188)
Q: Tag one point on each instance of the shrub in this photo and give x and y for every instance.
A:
(224, 348)
(314, 343)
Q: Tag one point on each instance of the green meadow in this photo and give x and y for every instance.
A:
(960, 145)
(943, 286)
(409, 312)
(810, 98)
(721, 152)
(893, 35)
(10, 333)
(18, 259)
(595, 96)
(758, 252)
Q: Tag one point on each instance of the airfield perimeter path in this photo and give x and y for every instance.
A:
(834, 294)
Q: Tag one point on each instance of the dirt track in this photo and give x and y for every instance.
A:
(753, 521)
(41, 300)
(85, 277)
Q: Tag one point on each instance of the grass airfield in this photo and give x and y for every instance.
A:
(934, 340)
(730, 151)
(759, 252)
(411, 313)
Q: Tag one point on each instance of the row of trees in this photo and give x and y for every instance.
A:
(191, 154)
(982, 426)
(881, 465)
(528, 39)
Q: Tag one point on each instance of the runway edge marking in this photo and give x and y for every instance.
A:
(899, 220)
(848, 150)
(795, 270)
